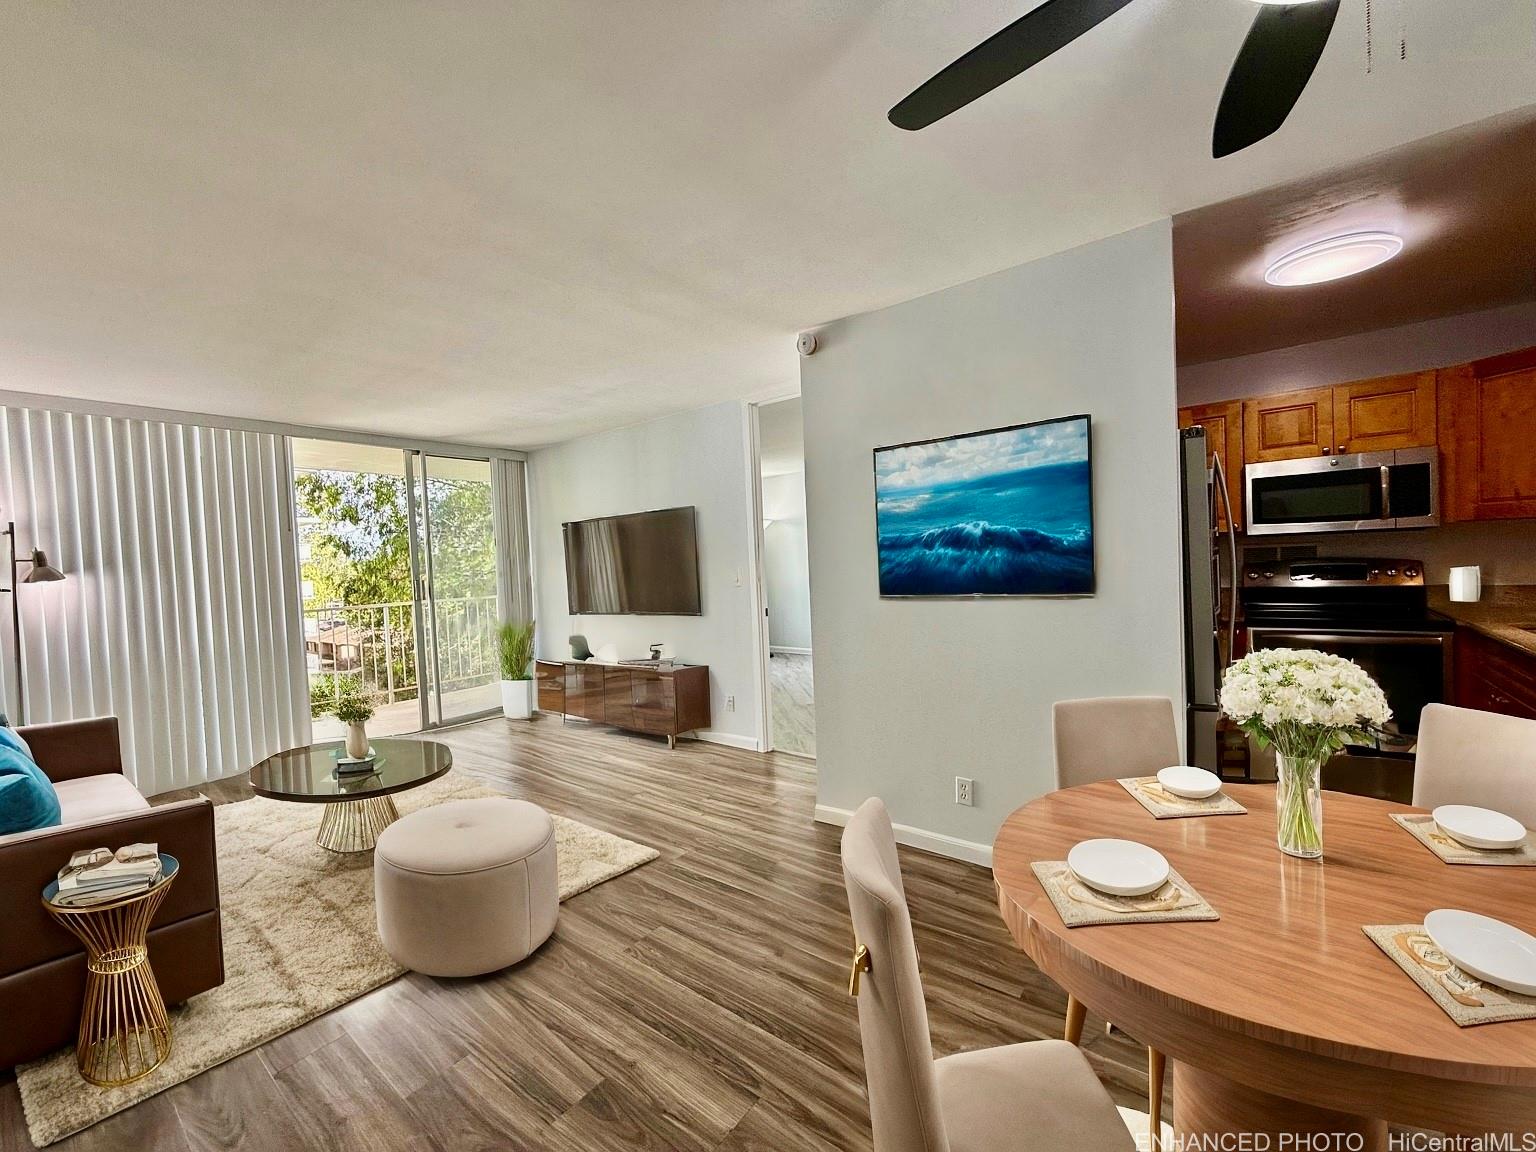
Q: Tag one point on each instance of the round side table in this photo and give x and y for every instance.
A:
(125, 1033)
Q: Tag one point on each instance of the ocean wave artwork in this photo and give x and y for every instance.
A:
(998, 513)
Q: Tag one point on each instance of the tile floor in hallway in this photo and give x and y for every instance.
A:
(794, 703)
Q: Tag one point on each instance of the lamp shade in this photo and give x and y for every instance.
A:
(42, 571)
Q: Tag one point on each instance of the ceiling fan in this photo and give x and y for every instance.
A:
(1273, 66)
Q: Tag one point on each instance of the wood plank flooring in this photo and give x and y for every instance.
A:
(697, 1003)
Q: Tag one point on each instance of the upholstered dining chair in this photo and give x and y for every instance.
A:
(1032, 1097)
(1106, 738)
(1480, 758)
(1113, 736)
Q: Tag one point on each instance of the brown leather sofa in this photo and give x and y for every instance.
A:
(42, 967)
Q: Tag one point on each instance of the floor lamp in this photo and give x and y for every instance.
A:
(41, 572)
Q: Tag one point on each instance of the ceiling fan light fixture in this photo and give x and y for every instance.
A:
(1333, 258)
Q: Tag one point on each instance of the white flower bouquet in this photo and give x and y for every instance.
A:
(1308, 705)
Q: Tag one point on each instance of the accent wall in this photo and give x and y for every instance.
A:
(697, 458)
(913, 693)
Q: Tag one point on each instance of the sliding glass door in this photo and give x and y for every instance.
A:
(457, 561)
(398, 570)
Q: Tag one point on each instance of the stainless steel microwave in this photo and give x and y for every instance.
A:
(1368, 490)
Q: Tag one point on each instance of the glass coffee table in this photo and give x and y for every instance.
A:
(358, 804)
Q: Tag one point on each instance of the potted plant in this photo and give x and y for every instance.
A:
(1308, 705)
(515, 646)
(354, 710)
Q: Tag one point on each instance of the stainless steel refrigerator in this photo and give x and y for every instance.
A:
(1209, 553)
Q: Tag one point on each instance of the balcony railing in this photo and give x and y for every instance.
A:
(375, 645)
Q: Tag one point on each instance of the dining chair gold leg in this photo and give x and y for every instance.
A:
(1076, 1011)
(1155, 1096)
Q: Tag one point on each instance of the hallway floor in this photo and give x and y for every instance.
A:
(794, 704)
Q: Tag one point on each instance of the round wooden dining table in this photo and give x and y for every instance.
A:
(1282, 1017)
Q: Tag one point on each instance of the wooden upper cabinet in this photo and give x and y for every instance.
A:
(1288, 426)
(1488, 438)
(1223, 424)
(1390, 412)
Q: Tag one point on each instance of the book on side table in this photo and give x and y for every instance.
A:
(99, 875)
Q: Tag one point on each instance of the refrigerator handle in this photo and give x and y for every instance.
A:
(1226, 503)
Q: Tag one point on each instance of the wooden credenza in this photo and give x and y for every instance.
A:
(659, 700)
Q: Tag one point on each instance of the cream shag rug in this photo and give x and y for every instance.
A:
(299, 940)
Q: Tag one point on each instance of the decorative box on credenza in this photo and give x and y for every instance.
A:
(656, 697)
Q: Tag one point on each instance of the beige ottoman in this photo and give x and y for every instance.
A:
(466, 887)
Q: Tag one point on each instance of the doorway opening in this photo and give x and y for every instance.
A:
(786, 579)
(397, 564)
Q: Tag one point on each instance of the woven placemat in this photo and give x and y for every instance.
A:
(1452, 851)
(1466, 1000)
(1166, 806)
(1080, 905)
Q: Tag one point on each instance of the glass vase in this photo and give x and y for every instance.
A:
(1299, 805)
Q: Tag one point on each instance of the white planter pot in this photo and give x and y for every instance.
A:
(357, 740)
(517, 699)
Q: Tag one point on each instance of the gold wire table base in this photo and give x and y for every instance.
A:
(354, 825)
(125, 1032)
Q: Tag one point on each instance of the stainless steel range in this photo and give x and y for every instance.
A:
(1375, 612)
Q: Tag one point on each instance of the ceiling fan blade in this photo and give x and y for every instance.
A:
(1270, 72)
(1024, 43)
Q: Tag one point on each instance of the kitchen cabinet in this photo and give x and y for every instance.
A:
(1487, 434)
(1493, 676)
(1361, 416)
(1386, 413)
(1223, 424)
(1288, 426)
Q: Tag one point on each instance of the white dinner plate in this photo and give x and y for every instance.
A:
(1118, 867)
(1486, 948)
(1479, 827)
(1189, 782)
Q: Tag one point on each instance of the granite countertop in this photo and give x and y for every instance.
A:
(1502, 607)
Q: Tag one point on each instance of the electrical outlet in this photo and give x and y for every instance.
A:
(730, 703)
(965, 791)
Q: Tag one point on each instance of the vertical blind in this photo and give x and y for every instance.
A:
(179, 613)
(509, 511)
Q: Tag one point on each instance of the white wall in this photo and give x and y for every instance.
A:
(911, 693)
(697, 458)
(786, 570)
(1503, 549)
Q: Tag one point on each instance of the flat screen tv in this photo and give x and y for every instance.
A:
(1004, 512)
(643, 564)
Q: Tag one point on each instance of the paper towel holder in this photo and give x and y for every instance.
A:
(1467, 584)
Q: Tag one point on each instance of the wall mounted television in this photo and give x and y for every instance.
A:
(1002, 512)
(643, 564)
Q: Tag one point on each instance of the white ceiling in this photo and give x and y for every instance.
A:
(515, 223)
(1461, 200)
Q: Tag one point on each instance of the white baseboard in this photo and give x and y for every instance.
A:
(789, 651)
(730, 740)
(936, 842)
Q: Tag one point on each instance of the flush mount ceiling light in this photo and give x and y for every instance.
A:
(1333, 259)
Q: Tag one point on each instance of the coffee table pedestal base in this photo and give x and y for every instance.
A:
(354, 825)
(1207, 1105)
